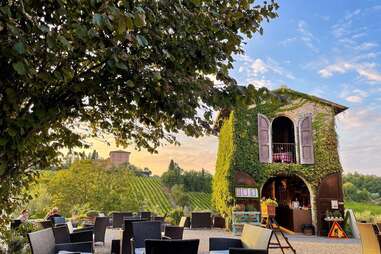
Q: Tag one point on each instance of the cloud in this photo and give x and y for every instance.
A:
(354, 98)
(364, 70)
(306, 36)
(255, 70)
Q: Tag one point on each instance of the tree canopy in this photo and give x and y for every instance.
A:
(138, 70)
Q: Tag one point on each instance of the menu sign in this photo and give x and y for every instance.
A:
(241, 192)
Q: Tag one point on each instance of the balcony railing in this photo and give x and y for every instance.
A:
(284, 152)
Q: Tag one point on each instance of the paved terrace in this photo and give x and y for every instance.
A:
(302, 244)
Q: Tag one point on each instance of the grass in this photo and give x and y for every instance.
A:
(358, 207)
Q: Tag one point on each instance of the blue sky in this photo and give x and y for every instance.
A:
(331, 49)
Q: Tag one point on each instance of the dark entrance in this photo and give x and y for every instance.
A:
(283, 140)
(294, 202)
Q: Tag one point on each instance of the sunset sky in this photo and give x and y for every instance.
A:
(326, 48)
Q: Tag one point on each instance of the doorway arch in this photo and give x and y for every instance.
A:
(294, 200)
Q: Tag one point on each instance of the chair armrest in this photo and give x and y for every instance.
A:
(83, 229)
(132, 243)
(224, 243)
(164, 237)
(80, 247)
(81, 236)
(246, 251)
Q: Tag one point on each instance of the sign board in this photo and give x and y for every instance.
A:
(334, 204)
(336, 231)
(242, 192)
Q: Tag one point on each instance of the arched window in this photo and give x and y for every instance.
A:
(283, 140)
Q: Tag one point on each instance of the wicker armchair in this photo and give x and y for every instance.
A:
(62, 235)
(142, 231)
(171, 246)
(43, 242)
(117, 219)
(254, 240)
(369, 240)
(128, 234)
(201, 220)
(100, 226)
(174, 232)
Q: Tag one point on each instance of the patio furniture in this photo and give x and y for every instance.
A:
(254, 240)
(201, 220)
(100, 226)
(369, 239)
(115, 246)
(43, 242)
(15, 223)
(171, 246)
(58, 221)
(174, 232)
(46, 224)
(145, 215)
(142, 231)
(184, 222)
(128, 234)
(218, 222)
(62, 235)
(117, 219)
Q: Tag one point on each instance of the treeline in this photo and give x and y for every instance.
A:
(192, 181)
(362, 188)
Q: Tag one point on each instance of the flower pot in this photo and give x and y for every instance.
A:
(268, 210)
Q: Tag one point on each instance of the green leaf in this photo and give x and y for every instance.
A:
(19, 67)
(121, 66)
(140, 19)
(19, 47)
(98, 19)
(142, 41)
(64, 41)
(130, 83)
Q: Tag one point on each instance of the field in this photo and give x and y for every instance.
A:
(200, 201)
(362, 207)
(157, 199)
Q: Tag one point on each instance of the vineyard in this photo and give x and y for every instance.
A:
(157, 200)
(152, 190)
(200, 201)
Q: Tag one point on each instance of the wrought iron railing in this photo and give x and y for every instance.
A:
(284, 152)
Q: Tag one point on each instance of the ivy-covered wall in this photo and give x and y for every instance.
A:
(238, 149)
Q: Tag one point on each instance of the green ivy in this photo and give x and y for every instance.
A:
(238, 150)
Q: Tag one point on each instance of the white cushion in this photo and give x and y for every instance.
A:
(140, 250)
(219, 252)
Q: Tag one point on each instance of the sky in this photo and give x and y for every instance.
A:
(331, 49)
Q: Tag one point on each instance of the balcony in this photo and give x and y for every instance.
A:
(284, 152)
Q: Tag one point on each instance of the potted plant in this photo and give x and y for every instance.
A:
(91, 215)
(268, 207)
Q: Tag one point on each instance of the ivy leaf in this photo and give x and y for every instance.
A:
(64, 41)
(19, 47)
(98, 19)
(121, 66)
(142, 41)
(140, 19)
(19, 67)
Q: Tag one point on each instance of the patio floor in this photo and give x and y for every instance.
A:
(302, 244)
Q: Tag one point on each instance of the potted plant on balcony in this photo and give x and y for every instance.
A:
(268, 207)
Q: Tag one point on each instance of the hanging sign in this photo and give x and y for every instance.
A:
(336, 231)
(241, 192)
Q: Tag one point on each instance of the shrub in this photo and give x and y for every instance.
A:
(175, 215)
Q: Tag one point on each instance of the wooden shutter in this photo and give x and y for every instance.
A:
(263, 138)
(306, 142)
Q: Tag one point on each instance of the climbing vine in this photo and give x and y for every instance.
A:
(238, 149)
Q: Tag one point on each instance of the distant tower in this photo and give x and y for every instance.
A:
(119, 157)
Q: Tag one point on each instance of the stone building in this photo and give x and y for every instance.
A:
(288, 152)
(119, 157)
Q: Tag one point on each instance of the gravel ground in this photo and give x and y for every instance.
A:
(302, 244)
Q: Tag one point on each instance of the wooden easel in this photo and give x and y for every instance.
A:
(270, 222)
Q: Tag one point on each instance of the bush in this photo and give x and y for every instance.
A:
(175, 215)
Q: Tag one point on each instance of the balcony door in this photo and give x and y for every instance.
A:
(283, 140)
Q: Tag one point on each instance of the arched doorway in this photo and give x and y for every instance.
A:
(283, 140)
(294, 201)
